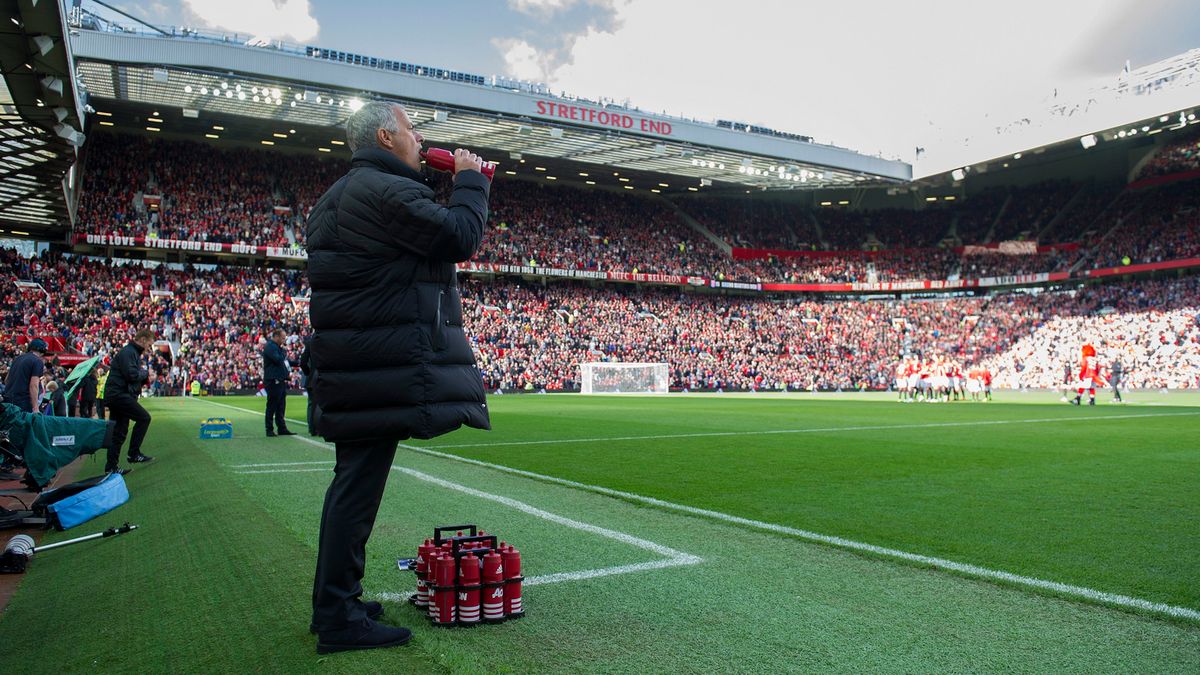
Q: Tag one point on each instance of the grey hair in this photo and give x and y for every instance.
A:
(362, 126)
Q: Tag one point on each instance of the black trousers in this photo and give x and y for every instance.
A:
(276, 404)
(351, 503)
(122, 409)
(99, 408)
(86, 406)
(312, 415)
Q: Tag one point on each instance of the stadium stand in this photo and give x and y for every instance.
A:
(190, 191)
(1179, 156)
(534, 336)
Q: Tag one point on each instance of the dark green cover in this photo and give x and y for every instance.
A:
(50, 443)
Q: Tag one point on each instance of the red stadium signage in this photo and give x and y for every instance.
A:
(603, 118)
(921, 284)
(1146, 267)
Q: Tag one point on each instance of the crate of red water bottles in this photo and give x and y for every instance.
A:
(467, 579)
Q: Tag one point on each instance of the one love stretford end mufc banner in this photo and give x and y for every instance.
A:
(296, 253)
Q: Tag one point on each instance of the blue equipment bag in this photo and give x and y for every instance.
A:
(82, 506)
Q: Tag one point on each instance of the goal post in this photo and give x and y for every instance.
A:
(624, 378)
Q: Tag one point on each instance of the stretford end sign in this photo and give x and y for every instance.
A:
(604, 118)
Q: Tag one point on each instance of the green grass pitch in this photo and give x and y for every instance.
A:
(1103, 499)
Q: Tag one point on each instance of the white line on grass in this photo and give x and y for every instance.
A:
(671, 557)
(961, 568)
(252, 466)
(1081, 592)
(326, 468)
(822, 430)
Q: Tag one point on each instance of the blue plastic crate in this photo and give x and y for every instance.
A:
(216, 427)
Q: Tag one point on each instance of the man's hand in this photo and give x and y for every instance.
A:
(465, 159)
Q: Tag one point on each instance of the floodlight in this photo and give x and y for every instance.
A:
(1088, 141)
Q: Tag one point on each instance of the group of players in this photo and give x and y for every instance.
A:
(940, 378)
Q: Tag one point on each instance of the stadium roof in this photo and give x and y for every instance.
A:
(271, 87)
(40, 120)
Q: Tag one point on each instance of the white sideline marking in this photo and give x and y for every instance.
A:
(878, 427)
(251, 466)
(671, 557)
(962, 568)
(325, 468)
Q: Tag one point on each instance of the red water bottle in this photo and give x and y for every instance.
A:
(443, 160)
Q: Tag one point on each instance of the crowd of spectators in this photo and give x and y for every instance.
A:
(1087, 217)
(1151, 327)
(995, 264)
(535, 336)
(1159, 224)
(755, 223)
(976, 215)
(569, 228)
(215, 316)
(854, 266)
(1032, 208)
(170, 189)
(1177, 157)
(212, 321)
(262, 197)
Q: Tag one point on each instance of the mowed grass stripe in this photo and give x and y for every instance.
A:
(759, 602)
(210, 582)
(995, 551)
(1107, 505)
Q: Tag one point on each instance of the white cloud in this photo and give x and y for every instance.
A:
(277, 19)
(880, 76)
(522, 60)
(539, 7)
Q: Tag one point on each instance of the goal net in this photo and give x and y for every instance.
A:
(624, 378)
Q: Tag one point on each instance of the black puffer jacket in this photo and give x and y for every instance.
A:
(389, 354)
(127, 375)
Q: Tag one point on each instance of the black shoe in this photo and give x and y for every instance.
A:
(366, 634)
(140, 458)
(285, 432)
(123, 472)
(270, 433)
(374, 611)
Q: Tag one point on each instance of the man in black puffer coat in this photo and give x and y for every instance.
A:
(389, 355)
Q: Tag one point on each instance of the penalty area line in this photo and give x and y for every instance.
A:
(966, 569)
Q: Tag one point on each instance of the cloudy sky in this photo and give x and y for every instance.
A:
(877, 76)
